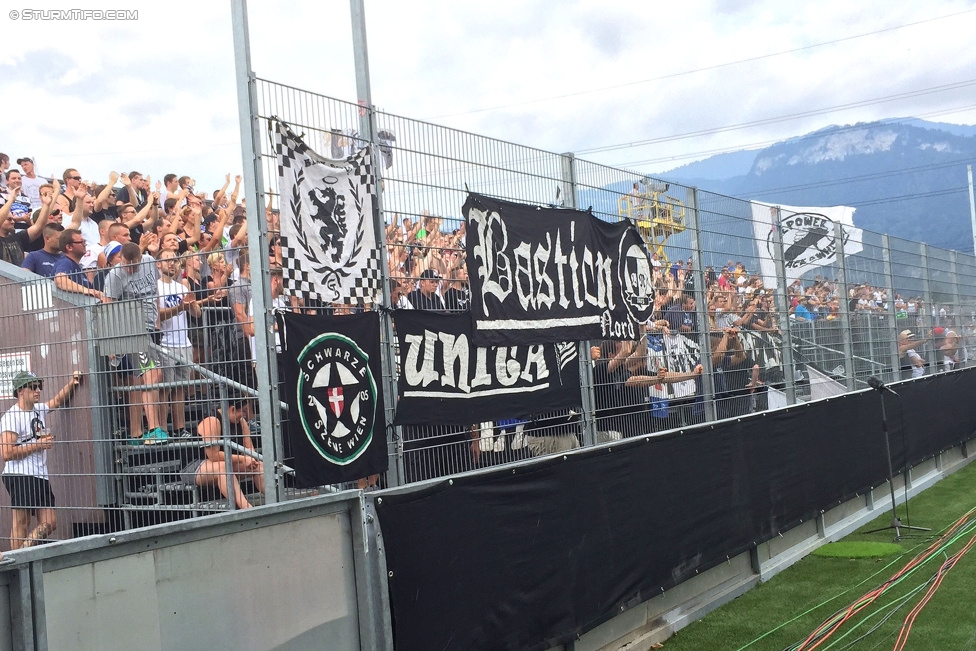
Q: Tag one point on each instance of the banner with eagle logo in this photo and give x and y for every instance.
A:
(332, 383)
(808, 234)
(328, 242)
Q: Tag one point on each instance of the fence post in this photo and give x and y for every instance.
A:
(956, 313)
(845, 313)
(693, 224)
(783, 305)
(890, 309)
(931, 353)
(257, 236)
(567, 188)
(367, 120)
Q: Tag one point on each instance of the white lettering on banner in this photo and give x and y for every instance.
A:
(526, 268)
(445, 358)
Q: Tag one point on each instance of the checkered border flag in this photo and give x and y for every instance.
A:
(329, 248)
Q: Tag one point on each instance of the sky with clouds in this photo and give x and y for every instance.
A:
(157, 94)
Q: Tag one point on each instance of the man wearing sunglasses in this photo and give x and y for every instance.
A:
(66, 201)
(13, 242)
(24, 441)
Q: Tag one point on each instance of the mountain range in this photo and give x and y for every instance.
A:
(905, 177)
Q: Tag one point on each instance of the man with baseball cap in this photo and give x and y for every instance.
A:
(425, 297)
(30, 182)
(24, 442)
(912, 364)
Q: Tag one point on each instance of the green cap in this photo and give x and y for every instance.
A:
(23, 378)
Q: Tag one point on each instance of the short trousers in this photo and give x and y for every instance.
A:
(142, 363)
(189, 473)
(176, 364)
(29, 492)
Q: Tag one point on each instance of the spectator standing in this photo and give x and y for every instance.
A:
(20, 208)
(912, 364)
(13, 243)
(135, 279)
(25, 440)
(136, 191)
(176, 302)
(30, 182)
(66, 198)
(80, 216)
(69, 276)
(425, 297)
(43, 261)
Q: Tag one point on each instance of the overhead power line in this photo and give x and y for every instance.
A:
(716, 66)
(784, 118)
(765, 143)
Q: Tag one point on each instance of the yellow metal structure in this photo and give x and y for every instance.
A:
(656, 215)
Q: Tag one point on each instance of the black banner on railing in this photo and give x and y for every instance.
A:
(545, 275)
(446, 380)
(331, 375)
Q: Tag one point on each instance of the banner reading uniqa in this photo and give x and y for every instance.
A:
(546, 275)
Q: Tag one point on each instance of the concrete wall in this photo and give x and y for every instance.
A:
(287, 576)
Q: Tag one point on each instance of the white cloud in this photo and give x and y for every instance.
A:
(158, 94)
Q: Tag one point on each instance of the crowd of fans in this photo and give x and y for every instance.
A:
(182, 252)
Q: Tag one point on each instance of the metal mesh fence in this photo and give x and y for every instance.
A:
(162, 422)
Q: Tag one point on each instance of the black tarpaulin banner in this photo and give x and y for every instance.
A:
(533, 557)
(331, 374)
(545, 275)
(444, 379)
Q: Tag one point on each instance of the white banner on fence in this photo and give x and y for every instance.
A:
(809, 239)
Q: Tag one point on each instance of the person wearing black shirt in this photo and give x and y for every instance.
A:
(14, 242)
(458, 296)
(425, 296)
(736, 374)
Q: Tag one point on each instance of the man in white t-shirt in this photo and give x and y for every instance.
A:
(175, 300)
(30, 182)
(24, 441)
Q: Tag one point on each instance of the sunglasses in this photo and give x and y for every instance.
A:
(74, 178)
(34, 387)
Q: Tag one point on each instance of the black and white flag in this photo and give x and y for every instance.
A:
(544, 275)
(332, 384)
(328, 243)
(445, 379)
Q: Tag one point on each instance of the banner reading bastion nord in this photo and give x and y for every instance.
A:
(545, 275)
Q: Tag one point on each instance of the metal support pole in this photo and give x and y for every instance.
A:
(783, 306)
(266, 362)
(567, 190)
(845, 316)
(931, 354)
(567, 174)
(972, 205)
(693, 224)
(894, 373)
(956, 313)
(367, 120)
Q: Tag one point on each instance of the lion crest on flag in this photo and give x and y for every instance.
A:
(328, 241)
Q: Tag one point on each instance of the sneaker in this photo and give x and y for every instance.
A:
(139, 440)
(184, 433)
(154, 436)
